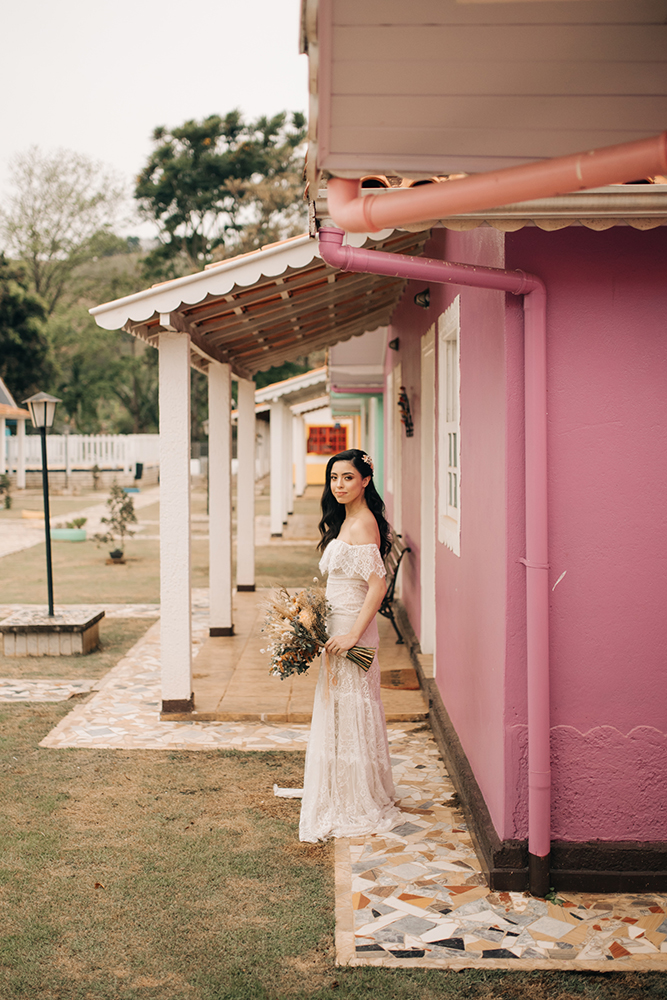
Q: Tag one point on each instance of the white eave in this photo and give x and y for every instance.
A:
(263, 308)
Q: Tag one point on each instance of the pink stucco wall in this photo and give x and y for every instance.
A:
(607, 358)
(470, 589)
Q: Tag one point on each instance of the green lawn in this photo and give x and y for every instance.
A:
(81, 575)
(58, 506)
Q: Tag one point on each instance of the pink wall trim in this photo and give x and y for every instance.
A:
(592, 796)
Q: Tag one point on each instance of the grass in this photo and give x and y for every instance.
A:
(58, 506)
(117, 635)
(81, 575)
(178, 876)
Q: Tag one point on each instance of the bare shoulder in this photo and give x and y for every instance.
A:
(365, 531)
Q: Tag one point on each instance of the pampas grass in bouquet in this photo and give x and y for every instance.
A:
(297, 629)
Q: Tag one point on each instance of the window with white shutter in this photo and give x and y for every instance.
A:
(449, 429)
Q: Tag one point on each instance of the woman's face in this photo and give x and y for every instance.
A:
(346, 482)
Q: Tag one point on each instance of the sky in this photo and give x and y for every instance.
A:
(97, 76)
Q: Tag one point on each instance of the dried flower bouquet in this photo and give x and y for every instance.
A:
(297, 630)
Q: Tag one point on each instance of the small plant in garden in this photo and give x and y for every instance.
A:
(77, 522)
(96, 476)
(121, 515)
(5, 490)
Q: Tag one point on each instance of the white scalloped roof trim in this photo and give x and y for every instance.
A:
(193, 288)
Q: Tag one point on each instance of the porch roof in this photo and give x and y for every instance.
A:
(8, 407)
(297, 389)
(260, 309)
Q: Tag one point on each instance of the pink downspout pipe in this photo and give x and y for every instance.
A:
(611, 165)
(537, 590)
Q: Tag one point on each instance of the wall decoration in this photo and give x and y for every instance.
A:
(406, 416)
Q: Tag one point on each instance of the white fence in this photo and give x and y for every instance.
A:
(84, 451)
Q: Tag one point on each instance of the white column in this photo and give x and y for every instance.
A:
(68, 460)
(245, 487)
(373, 428)
(299, 449)
(20, 457)
(3, 446)
(365, 424)
(277, 469)
(289, 462)
(220, 498)
(175, 614)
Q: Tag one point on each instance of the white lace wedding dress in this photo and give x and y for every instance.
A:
(348, 789)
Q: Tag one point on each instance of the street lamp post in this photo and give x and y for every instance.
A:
(42, 411)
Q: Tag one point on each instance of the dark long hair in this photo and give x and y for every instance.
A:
(333, 513)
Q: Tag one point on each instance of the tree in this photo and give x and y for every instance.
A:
(62, 204)
(25, 363)
(94, 374)
(222, 184)
(135, 385)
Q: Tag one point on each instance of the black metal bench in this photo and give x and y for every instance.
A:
(392, 562)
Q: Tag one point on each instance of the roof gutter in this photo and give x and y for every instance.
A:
(370, 213)
(536, 559)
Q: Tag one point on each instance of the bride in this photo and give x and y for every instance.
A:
(348, 789)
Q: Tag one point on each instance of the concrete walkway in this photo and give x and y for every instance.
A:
(231, 679)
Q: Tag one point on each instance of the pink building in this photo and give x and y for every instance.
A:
(538, 576)
(607, 436)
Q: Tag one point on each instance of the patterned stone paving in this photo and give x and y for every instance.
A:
(124, 713)
(12, 689)
(414, 896)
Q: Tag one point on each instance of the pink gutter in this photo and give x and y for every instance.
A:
(393, 209)
(537, 590)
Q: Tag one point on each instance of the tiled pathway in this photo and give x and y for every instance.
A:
(124, 713)
(415, 896)
(12, 689)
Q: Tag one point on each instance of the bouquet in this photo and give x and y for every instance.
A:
(297, 628)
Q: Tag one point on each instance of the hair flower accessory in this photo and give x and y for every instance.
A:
(368, 460)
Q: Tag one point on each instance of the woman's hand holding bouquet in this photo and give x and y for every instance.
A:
(297, 630)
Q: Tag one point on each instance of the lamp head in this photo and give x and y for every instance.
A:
(42, 408)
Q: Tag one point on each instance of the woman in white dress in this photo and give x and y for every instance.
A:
(348, 789)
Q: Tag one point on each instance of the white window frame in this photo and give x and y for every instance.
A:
(449, 427)
(394, 449)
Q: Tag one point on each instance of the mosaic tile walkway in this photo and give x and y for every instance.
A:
(124, 713)
(12, 689)
(416, 897)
